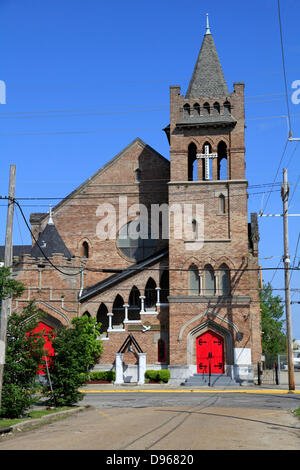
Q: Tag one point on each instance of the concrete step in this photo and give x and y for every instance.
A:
(221, 380)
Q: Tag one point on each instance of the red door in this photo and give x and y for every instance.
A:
(210, 353)
(46, 331)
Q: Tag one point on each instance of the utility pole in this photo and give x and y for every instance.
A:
(287, 261)
(8, 258)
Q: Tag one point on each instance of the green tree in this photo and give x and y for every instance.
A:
(9, 287)
(24, 351)
(76, 352)
(272, 323)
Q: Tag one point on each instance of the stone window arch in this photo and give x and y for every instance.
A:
(217, 108)
(222, 161)
(85, 249)
(192, 162)
(206, 109)
(227, 107)
(196, 109)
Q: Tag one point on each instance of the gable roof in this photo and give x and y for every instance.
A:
(208, 78)
(39, 217)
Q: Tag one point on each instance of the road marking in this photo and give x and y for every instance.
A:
(103, 414)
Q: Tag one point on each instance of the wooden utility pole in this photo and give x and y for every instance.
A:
(287, 261)
(8, 258)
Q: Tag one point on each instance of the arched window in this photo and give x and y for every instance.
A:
(222, 204)
(86, 314)
(206, 109)
(150, 293)
(118, 311)
(217, 108)
(192, 162)
(224, 280)
(196, 109)
(222, 161)
(193, 280)
(161, 350)
(164, 287)
(207, 144)
(227, 107)
(134, 302)
(209, 280)
(85, 249)
(195, 229)
(186, 109)
(102, 317)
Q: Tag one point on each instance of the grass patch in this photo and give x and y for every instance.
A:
(33, 414)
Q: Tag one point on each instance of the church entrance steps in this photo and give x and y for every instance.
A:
(215, 380)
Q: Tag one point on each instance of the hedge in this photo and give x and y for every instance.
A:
(158, 375)
(107, 375)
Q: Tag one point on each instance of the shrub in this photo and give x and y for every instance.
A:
(76, 352)
(108, 375)
(158, 375)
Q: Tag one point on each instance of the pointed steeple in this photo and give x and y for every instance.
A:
(208, 79)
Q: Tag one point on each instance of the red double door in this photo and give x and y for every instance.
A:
(210, 353)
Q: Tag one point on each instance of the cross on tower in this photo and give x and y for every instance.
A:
(206, 156)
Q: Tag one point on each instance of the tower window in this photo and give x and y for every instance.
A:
(206, 109)
(196, 109)
(222, 207)
(193, 280)
(227, 107)
(222, 161)
(85, 250)
(187, 109)
(217, 108)
(161, 347)
(224, 280)
(192, 162)
(209, 279)
(137, 175)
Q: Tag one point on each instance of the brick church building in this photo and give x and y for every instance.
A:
(190, 307)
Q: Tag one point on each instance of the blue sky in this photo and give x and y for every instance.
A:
(85, 77)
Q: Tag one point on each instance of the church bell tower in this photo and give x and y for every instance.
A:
(213, 287)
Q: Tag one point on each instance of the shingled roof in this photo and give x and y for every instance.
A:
(51, 243)
(208, 78)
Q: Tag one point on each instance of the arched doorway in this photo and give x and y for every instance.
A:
(210, 353)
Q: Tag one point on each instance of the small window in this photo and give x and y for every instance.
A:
(137, 175)
(161, 349)
(222, 206)
(224, 280)
(85, 250)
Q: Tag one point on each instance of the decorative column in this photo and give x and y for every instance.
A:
(216, 284)
(142, 368)
(200, 283)
(142, 297)
(110, 315)
(157, 296)
(126, 306)
(119, 369)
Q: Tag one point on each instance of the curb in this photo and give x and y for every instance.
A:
(43, 420)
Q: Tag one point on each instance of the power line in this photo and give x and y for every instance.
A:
(284, 71)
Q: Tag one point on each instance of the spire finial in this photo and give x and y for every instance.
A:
(207, 25)
(50, 221)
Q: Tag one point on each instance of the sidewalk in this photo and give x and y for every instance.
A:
(166, 388)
